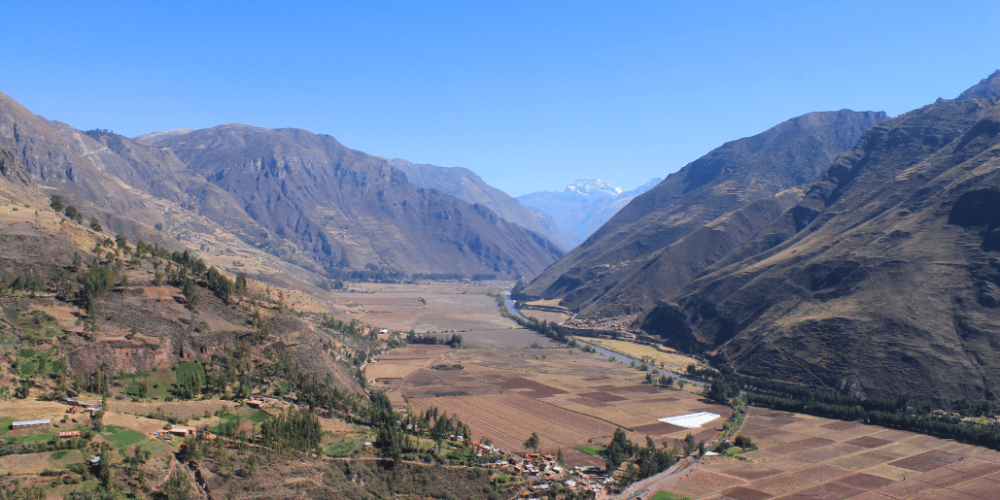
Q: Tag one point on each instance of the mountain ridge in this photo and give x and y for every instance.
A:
(883, 280)
(725, 180)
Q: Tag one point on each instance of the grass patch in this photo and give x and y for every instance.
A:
(666, 495)
(343, 448)
(189, 369)
(127, 437)
(59, 454)
(5, 424)
(28, 368)
(156, 446)
(258, 416)
(37, 438)
(111, 429)
(591, 449)
(25, 353)
(54, 367)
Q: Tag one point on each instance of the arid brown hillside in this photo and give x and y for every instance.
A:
(348, 210)
(299, 196)
(609, 274)
(883, 280)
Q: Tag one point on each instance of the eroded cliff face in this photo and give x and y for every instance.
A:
(129, 356)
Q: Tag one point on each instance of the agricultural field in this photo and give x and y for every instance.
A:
(511, 383)
(424, 308)
(663, 357)
(801, 456)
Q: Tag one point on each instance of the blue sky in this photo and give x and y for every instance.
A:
(530, 95)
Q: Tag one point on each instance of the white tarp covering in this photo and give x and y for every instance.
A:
(691, 420)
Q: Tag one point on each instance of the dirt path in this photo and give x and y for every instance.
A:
(652, 485)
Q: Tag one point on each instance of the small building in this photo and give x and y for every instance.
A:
(96, 460)
(182, 431)
(73, 410)
(27, 424)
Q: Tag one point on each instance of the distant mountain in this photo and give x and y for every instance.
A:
(465, 185)
(300, 196)
(583, 206)
(346, 210)
(883, 280)
(668, 235)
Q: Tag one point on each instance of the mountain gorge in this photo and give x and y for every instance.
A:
(663, 238)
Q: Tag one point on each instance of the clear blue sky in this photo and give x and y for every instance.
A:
(530, 95)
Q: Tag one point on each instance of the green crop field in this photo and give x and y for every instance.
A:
(591, 449)
(663, 495)
(126, 437)
(343, 448)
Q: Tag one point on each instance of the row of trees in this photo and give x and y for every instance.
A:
(648, 460)
(551, 330)
(71, 212)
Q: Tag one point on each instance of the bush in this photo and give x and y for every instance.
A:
(743, 441)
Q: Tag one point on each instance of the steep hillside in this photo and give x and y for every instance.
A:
(583, 206)
(725, 180)
(299, 196)
(883, 280)
(346, 210)
(465, 185)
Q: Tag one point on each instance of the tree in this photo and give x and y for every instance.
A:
(56, 203)
(532, 442)
(72, 213)
(98, 421)
(241, 284)
(178, 487)
(95, 225)
(189, 292)
(743, 441)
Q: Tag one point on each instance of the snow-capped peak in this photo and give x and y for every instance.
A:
(594, 187)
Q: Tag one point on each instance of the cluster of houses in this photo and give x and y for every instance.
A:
(942, 414)
(169, 434)
(260, 402)
(76, 406)
(543, 470)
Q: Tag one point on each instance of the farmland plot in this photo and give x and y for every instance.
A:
(429, 307)
(509, 419)
(801, 456)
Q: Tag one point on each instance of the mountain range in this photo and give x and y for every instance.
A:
(581, 208)
(883, 280)
(465, 185)
(845, 250)
(667, 235)
(302, 197)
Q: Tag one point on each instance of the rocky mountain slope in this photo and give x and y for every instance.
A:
(313, 203)
(465, 185)
(669, 234)
(346, 210)
(883, 280)
(582, 207)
